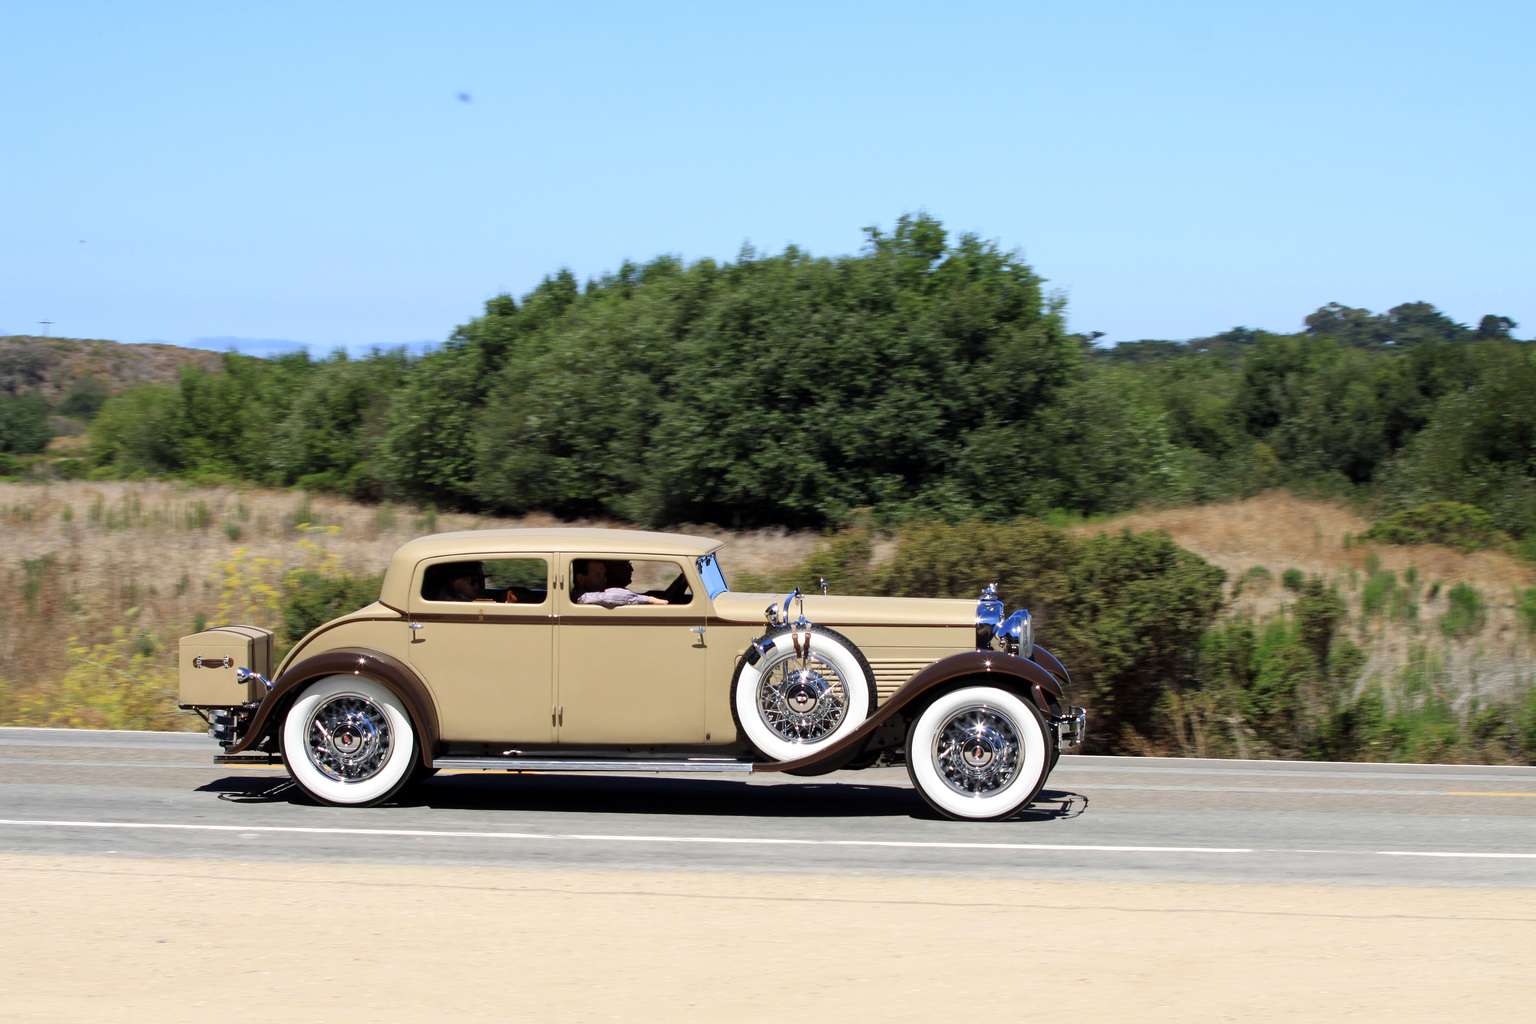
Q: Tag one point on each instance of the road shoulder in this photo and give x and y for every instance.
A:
(142, 940)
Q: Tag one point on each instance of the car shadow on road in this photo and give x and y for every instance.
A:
(609, 794)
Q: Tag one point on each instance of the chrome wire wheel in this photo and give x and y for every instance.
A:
(802, 700)
(348, 741)
(800, 691)
(976, 751)
(348, 738)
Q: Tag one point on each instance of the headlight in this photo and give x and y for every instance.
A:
(989, 612)
(1016, 635)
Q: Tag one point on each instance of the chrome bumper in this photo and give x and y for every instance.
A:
(1069, 727)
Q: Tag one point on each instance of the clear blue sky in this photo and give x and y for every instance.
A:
(307, 171)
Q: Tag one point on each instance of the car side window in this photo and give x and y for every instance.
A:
(628, 582)
(489, 581)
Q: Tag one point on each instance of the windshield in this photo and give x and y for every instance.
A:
(714, 579)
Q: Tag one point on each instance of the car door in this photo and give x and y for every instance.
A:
(489, 662)
(632, 673)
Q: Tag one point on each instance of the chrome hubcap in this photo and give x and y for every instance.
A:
(977, 751)
(348, 738)
(802, 699)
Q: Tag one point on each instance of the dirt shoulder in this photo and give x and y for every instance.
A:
(99, 938)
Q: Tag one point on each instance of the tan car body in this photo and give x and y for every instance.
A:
(492, 678)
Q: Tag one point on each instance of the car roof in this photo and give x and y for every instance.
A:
(557, 538)
(562, 539)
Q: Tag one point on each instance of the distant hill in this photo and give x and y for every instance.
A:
(50, 366)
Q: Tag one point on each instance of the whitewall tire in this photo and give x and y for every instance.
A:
(348, 740)
(978, 753)
(793, 704)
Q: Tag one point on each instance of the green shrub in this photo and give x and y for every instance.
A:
(1125, 612)
(1291, 579)
(36, 572)
(1525, 608)
(1419, 724)
(303, 515)
(1525, 723)
(384, 517)
(198, 517)
(1452, 523)
(311, 599)
(1319, 612)
(24, 423)
(114, 684)
(1466, 614)
(1377, 596)
(1384, 596)
(1255, 580)
(85, 399)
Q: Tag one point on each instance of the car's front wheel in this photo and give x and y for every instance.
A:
(978, 753)
(348, 741)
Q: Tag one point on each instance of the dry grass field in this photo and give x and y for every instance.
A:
(102, 578)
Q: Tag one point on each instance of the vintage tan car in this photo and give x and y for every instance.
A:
(616, 650)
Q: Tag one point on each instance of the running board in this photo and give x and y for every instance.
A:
(256, 758)
(529, 764)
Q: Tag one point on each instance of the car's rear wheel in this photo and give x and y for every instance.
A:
(796, 702)
(348, 741)
(978, 753)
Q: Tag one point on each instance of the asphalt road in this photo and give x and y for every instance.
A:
(158, 795)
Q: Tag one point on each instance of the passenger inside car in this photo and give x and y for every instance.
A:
(455, 581)
(466, 581)
(608, 584)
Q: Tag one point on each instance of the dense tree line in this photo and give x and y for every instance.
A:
(1402, 408)
(923, 376)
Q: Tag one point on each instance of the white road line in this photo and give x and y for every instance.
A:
(722, 840)
(717, 840)
(204, 767)
(1091, 787)
(1434, 853)
(1477, 773)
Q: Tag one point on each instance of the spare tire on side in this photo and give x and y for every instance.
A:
(807, 690)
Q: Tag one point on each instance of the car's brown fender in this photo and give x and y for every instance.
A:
(1048, 661)
(1027, 679)
(358, 661)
